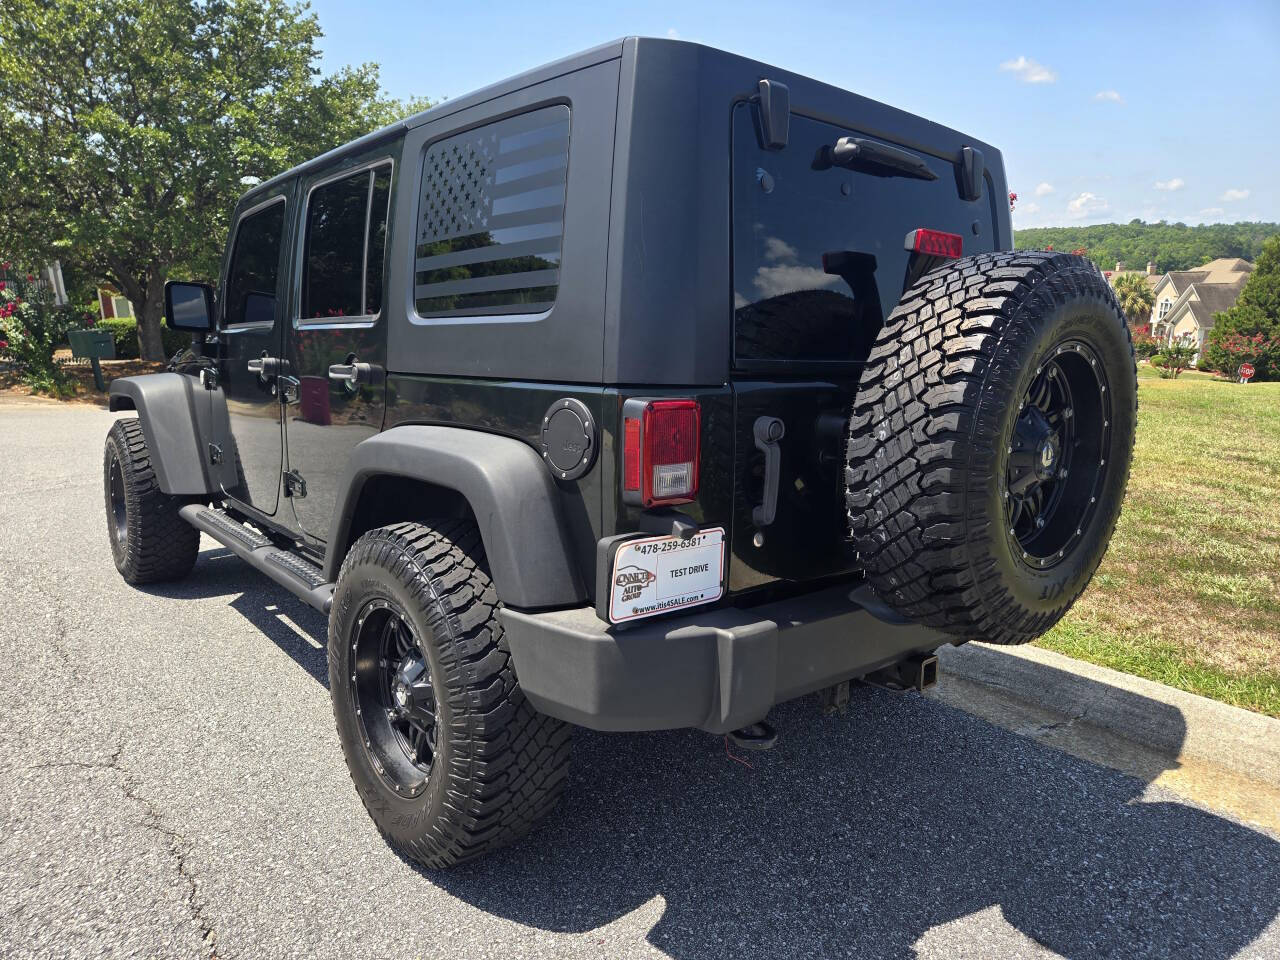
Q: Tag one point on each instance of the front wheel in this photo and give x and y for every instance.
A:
(150, 542)
(990, 443)
(449, 758)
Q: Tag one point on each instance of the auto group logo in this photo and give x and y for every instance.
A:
(633, 580)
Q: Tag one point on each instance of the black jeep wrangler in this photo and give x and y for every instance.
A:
(647, 389)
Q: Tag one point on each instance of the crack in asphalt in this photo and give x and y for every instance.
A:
(177, 846)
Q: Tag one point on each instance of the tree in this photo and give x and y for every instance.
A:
(1136, 297)
(126, 128)
(1251, 329)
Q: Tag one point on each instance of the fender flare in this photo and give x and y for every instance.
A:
(175, 430)
(514, 499)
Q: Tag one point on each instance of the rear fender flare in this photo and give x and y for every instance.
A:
(511, 494)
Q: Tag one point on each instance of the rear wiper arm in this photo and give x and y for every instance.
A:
(857, 152)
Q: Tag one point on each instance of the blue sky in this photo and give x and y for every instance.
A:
(1104, 112)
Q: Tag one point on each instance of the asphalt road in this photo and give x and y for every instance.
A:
(171, 786)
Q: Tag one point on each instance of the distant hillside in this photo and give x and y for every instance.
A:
(1173, 246)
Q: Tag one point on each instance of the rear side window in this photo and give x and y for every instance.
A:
(491, 217)
(345, 244)
(255, 266)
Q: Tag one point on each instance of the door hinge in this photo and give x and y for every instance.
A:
(294, 485)
(209, 377)
(215, 454)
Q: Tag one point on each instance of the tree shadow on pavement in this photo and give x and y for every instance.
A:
(858, 835)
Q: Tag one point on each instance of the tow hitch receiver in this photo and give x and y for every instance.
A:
(918, 672)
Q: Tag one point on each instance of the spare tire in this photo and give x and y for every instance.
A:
(990, 442)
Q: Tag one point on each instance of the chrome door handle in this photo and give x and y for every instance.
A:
(351, 373)
(264, 366)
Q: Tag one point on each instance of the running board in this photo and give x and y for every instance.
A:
(299, 576)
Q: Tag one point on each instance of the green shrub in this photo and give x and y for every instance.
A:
(124, 330)
(31, 328)
(1175, 358)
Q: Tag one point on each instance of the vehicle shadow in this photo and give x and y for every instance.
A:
(859, 835)
(297, 629)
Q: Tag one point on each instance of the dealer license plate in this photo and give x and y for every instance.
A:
(660, 574)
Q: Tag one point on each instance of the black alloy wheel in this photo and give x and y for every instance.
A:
(1056, 458)
(117, 505)
(393, 697)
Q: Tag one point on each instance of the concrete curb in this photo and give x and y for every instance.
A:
(1181, 726)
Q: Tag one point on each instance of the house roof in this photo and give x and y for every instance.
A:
(1226, 270)
(1211, 298)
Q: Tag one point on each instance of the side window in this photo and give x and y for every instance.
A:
(491, 217)
(345, 244)
(255, 267)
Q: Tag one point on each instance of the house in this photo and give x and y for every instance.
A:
(112, 304)
(1150, 275)
(1186, 300)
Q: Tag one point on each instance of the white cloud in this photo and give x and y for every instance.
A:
(1235, 194)
(1030, 208)
(1108, 96)
(775, 248)
(1028, 71)
(788, 278)
(1175, 183)
(1212, 212)
(1043, 189)
(673, 33)
(1086, 205)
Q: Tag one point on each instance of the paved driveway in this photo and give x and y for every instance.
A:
(171, 785)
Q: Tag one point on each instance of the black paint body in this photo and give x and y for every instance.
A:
(680, 238)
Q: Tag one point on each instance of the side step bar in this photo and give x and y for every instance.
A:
(296, 574)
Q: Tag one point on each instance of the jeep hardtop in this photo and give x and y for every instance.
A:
(644, 390)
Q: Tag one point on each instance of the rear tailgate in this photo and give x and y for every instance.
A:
(818, 262)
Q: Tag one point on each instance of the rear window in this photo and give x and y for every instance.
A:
(491, 217)
(818, 257)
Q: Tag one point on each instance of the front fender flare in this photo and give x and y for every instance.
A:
(514, 499)
(174, 428)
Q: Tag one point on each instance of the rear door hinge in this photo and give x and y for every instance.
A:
(294, 485)
(215, 454)
(209, 377)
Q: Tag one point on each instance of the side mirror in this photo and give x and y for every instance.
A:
(188, 306)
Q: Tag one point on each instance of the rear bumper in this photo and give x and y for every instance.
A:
(717, 670)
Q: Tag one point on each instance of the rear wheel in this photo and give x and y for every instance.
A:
(448, 757)
(990, 443)
(150, 542)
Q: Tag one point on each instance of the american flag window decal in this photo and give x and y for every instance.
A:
(491, 218)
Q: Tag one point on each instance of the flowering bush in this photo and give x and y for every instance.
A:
(1257, 344)
(31, 328)
(1144, 344)
(1173, 359)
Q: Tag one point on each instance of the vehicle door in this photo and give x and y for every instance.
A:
(250, 325)
(336, 338)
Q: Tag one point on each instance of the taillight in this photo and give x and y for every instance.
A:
(660, 445)
(935, 243)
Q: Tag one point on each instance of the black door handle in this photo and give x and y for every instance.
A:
(767, 432)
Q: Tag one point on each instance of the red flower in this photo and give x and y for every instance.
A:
(3, 284)
(5, 265)
(30, 278)
(4, 344)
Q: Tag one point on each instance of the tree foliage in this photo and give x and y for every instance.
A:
(126, 127)
(1172, 246)
(1136, 297)
(1251, 329)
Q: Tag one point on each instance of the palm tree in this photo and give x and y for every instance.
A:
(1136, 297)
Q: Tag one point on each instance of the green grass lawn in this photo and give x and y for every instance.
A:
(1189, 593)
